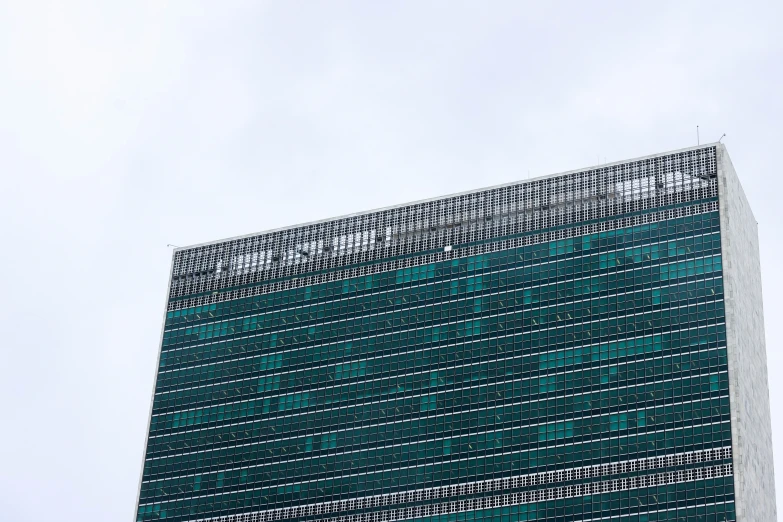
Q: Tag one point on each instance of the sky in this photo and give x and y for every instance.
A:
(127, 126)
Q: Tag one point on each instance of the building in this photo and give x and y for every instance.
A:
(583, 346)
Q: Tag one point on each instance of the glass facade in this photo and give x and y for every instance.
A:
(582, 378)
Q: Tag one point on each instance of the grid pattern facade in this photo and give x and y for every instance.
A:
(551, 350)
(547, 203)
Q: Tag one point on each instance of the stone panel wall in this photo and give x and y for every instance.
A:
(748, 386)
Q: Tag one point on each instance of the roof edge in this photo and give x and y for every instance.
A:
(445, 196)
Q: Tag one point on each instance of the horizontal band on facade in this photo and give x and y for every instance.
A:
(534, 479)
(508, 270)
(723, 393)
(510, 358)
(455, 253)
(325, 387)
(196, 429)
(423, 439)
(354, 426)
(174, 351)
(554, 201)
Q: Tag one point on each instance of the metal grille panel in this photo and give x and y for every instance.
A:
(554, 201)
(508, 499)
(472, 488)
(454, 253)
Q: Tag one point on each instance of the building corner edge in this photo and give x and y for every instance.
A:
(154, 385)
(751, 432)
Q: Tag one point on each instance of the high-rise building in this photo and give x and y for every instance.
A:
(583, 346)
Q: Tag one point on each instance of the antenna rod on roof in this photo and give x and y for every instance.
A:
(724, 135)
(698, 142)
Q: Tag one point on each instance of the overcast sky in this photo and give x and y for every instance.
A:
(125, 126)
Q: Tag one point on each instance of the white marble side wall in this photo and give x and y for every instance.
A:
(754, 479)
